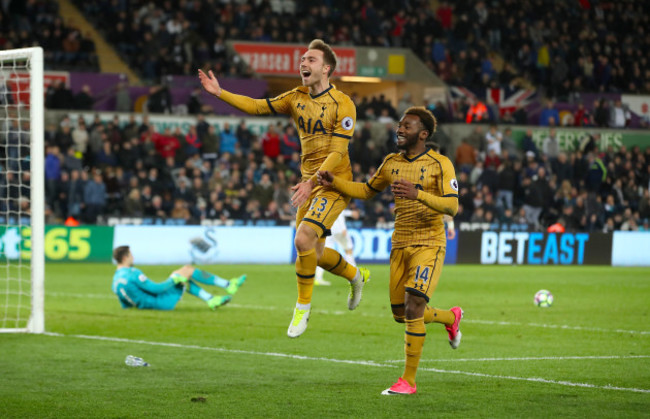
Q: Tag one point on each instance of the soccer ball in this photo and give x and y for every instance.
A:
(543, 298)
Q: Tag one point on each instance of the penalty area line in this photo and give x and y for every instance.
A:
(348, 361)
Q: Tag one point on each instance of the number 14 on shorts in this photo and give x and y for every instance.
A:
(421, 276)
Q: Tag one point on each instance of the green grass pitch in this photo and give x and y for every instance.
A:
(587, 356)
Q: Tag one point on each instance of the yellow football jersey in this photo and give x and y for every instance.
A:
(415, 223)
(325, 124)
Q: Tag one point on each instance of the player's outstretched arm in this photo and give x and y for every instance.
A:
(243, 103)
(444, 204)
(352, 189)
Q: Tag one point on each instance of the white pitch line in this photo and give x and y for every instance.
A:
(558, 326)
(528, 358)
(353, 362)
(363, 314)
(538, 380)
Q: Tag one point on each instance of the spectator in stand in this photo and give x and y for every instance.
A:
(582, 117)
(156, 208)
(596, 173)
(493, 139)
(160, 99)
(550, 115)
(84, 99)
(601, 113)
(551, 146)
(477, 112)
(59, 96)
(228, 140)
(506, 185)
(465, 156)
(528, 144)
(133, 205)
(192, 142)
(71, 161)
(165, 144)
(508, 146)
(94, 198)
(80, 137)
(477, 140)
(52, 172)
(64, 138)
(244, 136)
(123, 98)
(60, 204)
(290, 142)
(537, 197)
(271, 142)
(180, 210)
(105, 157)
(76, 187)
(263, 191)
(210, 145)
(520, 115)
(619, 116)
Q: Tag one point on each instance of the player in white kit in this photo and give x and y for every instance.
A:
(339, 235)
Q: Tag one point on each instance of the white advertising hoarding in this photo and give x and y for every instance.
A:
(173, 245)
(631, 248)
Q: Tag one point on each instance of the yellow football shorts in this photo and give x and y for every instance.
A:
(415, 270)
(321, 210)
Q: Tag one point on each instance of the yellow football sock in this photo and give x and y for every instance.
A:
(335, 263)
(415, 335)
(435, 315)
(305, 271)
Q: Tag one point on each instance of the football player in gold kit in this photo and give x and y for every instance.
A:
(425, 188)
(325, 119)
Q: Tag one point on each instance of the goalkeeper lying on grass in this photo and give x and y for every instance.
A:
(134, 289)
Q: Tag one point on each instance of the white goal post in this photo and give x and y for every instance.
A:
(22, 191)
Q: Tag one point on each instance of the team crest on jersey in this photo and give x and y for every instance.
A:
(347, 123)
(454, 184)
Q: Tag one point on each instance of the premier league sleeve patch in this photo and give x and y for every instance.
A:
(347, 123)
(454, 184)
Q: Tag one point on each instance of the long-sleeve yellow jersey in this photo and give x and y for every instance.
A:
(325, 124)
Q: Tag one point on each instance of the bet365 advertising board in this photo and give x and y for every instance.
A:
(62, 244)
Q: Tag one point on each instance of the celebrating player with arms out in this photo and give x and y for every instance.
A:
(325, 119)
(425, 188)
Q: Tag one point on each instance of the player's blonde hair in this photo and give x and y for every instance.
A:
(426, 118)
(329, 57)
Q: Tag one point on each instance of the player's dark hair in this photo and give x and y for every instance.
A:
(329, 57)
(426, 118)
(120, 252)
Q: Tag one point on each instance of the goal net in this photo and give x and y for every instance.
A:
(21, 191)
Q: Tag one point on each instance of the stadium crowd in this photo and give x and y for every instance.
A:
(25, 24)
(562, 47)
(96, 170)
